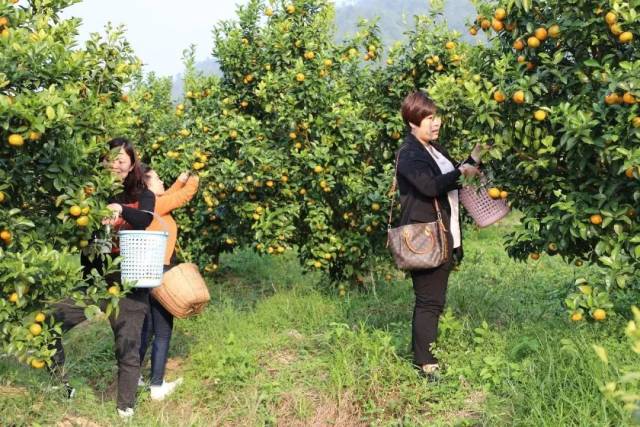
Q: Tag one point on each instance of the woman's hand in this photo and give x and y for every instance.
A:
(479, 151)
(468, 170)
(184, 177)
(116, 211)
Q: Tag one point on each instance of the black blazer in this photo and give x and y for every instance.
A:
(420, 181)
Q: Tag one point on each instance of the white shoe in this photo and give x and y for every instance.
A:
(127, 413)
(159, 392)
(141, 382)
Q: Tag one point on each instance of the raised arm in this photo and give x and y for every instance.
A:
(177, 198)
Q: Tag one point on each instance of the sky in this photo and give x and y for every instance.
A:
(158, 30)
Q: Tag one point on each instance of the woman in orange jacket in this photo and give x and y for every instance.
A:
(159, 323)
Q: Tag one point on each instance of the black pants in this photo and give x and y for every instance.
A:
(159, 325)
(430, 288)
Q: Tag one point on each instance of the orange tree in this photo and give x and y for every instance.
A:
(287, 155)
(556, 92)
(57, 106)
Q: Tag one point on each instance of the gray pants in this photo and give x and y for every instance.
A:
(127, 329)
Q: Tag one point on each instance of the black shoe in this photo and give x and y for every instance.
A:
(69, 390)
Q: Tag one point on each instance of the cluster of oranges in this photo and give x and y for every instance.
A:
(612, 21)
(496, 193)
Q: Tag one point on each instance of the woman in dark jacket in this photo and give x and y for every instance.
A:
(426, 173)
(132, 308)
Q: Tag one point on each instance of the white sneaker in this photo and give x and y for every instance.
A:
(141, 382)
(159, 392)
(127, 413)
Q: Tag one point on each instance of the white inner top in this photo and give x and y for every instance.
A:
(446, 166)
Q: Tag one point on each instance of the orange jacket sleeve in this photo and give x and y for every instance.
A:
(177, 198)
(175, 187)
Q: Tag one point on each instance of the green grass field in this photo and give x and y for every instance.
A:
(276, 347)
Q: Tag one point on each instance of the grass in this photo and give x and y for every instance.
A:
(277, 347)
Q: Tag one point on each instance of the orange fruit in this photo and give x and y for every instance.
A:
(540, 34)
(499, 96)
(611, 18)
(626, 37)
(268, 11)
(485, 24)
(16, 140)
(500, 14)
(533, 42)
(375, 207)
(628, 98)
(612, 99)
(596, 219)
(328, 63)
(34, 136)
(497, 25)
(494, 193)
(615, 29)
(518, 44)
(576, 316)
(5, 235)
(473, 31)
(300, 77)
(518, 97)
(629, 173)
(291, 9)
(13, 298)
(2, 197)
(534, 256)
(82, 221)
(510, 26)
(37, 364)
(521, 59)
(531, 66)
(40, 317)
(554, 31)
(450, 45)
(233, 134)
(504, 195)
(75, 210)
(35, 329)
(4, 21)
(318, 169)
(540, 115)
(599, 314)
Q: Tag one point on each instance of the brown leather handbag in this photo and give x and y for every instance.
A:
(417, 246)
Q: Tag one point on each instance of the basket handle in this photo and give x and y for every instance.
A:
(162, 221)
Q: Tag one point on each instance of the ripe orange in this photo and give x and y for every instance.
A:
(612, 99)
(521, 59)
(615, 29)
(494, 193)
(534, 256)
(450, 45)
(328, 63)
(497, 25)
(40, 317)
(291, 9)
(300, 77)
(75, 210)
(2, 197)
(270, 184)
(636, 122)
(4, 21)
(268, 11)
(540, 115)
(35, 329)
(5, 235)
(596, 219)
(499, 96)
(34, 136)
(37, 364)
(611, 18)
(375, 207)
(500, 14)
(554, 31)
(485, 24)
(13, 297)
(504, 195)
(318, 169)
(510, 26)
(82, 221)
(518, 44)
(541, 34)
(473, 31)
(16, 140)
(629, 173)
(599, 314)
(233, 134)
(628, 98)
(626, 37)
(533, 42)
(518, 97)
(576, 316)
(293, 135)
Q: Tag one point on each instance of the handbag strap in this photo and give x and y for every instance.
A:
(392, 194)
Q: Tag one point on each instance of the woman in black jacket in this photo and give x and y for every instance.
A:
(128, 211)
(425, 174)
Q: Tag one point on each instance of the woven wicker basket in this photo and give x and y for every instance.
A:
(183, 292)
(483, 209)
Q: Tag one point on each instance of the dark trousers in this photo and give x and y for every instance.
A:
(126, 326)
(159, 325)
(430, 288)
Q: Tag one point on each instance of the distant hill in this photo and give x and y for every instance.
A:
(395, 17)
